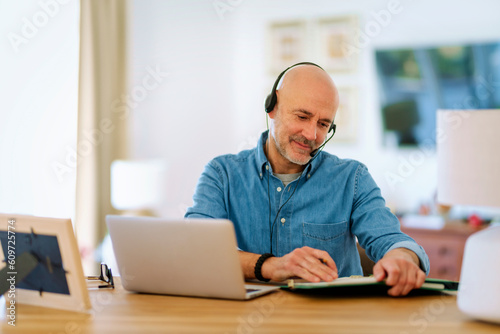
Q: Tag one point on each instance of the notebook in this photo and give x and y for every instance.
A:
(432, 284)
(191, 257)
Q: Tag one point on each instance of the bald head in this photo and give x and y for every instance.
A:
(310, 82)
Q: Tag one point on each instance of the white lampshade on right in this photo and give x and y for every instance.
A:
(468, 147)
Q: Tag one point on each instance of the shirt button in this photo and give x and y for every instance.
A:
(279, 189)
(267, 167)
(308, 175)
(283, 220)
(260, 174)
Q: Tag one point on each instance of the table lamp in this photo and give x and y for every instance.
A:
(137, 186)
(468, 150)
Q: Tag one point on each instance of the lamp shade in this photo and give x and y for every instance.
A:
(468, 150)
(137, 184)
(468, 146)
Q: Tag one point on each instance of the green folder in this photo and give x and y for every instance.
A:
(429, 284)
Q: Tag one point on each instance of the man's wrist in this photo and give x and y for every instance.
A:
(258, 266)
(404, 252)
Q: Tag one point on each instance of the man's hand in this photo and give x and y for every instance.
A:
(401, 268)
(311, 264)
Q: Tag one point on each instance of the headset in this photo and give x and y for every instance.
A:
(269, 105)
(272, 99)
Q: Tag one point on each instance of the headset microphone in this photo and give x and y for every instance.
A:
(315, 151)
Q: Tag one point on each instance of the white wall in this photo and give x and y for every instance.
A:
(188, 118)
(38, 113)
(211, 103)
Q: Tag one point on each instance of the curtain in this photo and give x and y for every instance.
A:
(102, 118)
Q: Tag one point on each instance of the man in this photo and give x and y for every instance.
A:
(298, 210)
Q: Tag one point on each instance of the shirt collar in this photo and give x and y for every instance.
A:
(262, 160)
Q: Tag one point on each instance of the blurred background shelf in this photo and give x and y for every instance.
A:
(445, 247)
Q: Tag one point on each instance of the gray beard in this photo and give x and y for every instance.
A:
(286, 156)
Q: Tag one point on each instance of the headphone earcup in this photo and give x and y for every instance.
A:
(269, 104)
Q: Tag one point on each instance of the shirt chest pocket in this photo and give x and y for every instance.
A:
(327, 237)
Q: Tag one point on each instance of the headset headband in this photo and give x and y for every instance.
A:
(272, 98)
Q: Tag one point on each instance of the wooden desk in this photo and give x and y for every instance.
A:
(118, 311)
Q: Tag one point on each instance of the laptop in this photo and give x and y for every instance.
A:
(187, 257)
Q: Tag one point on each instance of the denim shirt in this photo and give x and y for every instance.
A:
(333, 201)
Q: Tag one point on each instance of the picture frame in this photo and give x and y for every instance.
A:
(337, 46)
(346, 118)
(287, 44)
(57, 279)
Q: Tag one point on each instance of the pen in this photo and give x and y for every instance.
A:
(323, 261)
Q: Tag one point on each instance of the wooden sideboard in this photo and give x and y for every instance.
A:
(445, 247)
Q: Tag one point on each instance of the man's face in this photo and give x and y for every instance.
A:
(299, 128)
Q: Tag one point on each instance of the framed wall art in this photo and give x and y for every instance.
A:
(337, 45)
(287, 44)
(347, 115)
